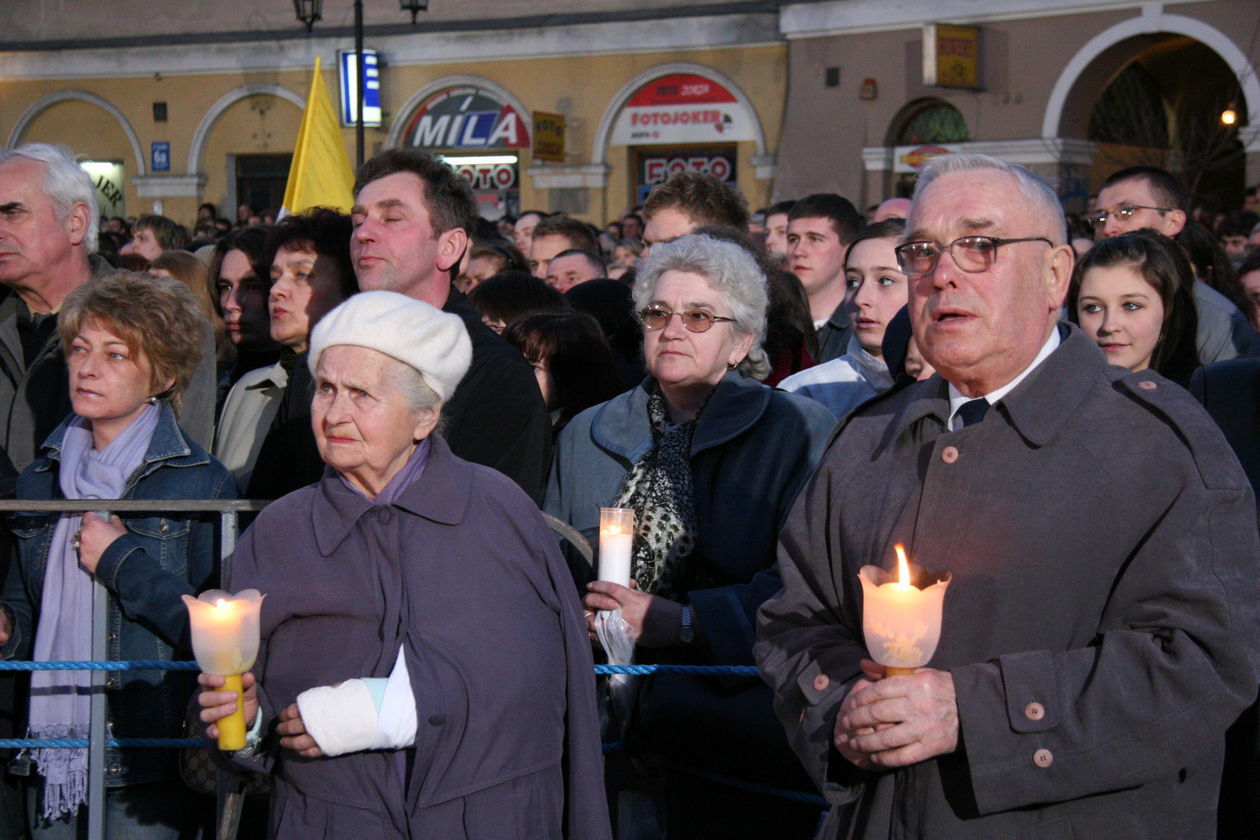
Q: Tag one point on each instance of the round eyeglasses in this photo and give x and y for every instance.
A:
(695, 320)
(1099, 217)
(972, 254)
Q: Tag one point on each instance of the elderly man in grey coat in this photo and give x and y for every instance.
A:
(1099, 633)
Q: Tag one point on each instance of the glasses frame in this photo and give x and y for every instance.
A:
(711, 319)
(997, 242)
(1098, 218)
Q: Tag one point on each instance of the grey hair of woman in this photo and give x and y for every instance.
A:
(417, 392)
(730, 270)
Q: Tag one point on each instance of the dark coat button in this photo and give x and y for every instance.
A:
(437, 720)
(383, 516)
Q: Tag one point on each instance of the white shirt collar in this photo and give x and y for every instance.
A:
(957, 398)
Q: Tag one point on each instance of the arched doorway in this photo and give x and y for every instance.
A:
(921, 130)
(1177, 74)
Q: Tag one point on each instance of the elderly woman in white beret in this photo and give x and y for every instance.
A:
(417, 611)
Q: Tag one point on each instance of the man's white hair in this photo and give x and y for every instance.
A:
(65, 183)
(1037, 191)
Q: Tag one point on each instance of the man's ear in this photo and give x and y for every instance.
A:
(451, 247)
(1058, 273)
(1174, 222)
(77, 221)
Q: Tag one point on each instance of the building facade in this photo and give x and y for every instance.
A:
(584, 106)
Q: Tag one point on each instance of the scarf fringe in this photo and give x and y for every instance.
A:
(64, 771)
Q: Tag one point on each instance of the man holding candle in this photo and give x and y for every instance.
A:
(1096, 642)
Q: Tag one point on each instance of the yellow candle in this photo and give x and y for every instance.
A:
(225, 637)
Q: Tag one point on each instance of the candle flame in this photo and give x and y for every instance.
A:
(220, 603)
(903, 567)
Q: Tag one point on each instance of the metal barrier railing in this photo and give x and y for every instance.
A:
(226, 510)
(228, 806)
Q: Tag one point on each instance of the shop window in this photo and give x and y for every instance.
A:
(931, 121)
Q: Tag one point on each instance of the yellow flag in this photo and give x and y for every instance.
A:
(320, 175)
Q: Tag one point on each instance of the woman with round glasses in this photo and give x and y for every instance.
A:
(710, 460)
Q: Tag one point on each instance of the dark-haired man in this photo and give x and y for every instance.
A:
(820, 228)
(573, 268)
(412, 214)
(1147, 197)
(554, 235)
(154, 234)
(689, 200)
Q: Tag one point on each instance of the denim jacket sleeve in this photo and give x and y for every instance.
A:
(148, 592)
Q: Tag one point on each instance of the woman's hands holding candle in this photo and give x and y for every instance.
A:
(897, 721)
(653, 620)
(96, 535)
(216, 702)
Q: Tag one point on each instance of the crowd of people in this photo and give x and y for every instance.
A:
(780, 396)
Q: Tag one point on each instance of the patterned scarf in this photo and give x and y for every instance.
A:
(659, 489)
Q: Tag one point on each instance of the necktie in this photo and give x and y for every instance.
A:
(972, 411)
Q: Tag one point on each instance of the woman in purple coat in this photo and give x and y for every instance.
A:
(424, 669)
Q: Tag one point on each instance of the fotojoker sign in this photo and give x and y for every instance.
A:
(682, 108)
(466, 117)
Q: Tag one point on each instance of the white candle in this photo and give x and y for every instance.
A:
(901, 623)
(225, 631)
(616, 541)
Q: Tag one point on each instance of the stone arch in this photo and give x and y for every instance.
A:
(906, 113)
(599, 151)
(197, 147)
(1150, 22)
(416, 99)
(46, 102)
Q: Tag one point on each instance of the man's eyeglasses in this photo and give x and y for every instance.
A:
(1099, 217)
(695, 320)
(972, 254)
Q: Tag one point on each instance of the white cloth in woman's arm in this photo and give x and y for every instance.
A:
(363, 714)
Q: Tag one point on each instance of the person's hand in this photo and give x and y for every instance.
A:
(653, 620)
(217, 702)
(295, 737)
(898, 721)
(96, 535)
(6, 629)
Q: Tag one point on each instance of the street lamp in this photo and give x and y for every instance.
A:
(309, 11)
(413, 6)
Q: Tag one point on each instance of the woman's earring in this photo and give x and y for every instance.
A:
(152, 400)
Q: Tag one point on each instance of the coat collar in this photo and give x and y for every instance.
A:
(1037, 408)
(441, 495)
(621, 425)
(167, 445)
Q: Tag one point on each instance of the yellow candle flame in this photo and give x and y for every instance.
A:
(220, 603)
(903, 567)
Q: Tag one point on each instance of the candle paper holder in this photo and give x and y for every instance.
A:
(901, 621)
(225, 636)
(616, 544)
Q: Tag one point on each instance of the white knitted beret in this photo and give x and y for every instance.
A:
(411, 331)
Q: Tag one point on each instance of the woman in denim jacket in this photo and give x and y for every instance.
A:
(130, 342)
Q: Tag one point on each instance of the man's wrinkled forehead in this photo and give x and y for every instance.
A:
(974, 202)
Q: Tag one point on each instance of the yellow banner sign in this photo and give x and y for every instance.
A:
(951, 55)
(549, 137)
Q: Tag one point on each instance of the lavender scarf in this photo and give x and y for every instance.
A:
(61, 700)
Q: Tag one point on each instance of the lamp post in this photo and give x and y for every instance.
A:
(309, 11)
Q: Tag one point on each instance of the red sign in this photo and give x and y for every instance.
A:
(680, 89)
(488, 176)
(660, 168)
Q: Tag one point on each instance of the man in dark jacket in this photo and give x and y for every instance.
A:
(412, 215)
(1100, 630)
(48, 227)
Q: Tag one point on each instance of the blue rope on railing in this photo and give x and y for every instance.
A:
(82, 743)
(743, 670)
(111, 665)
(169, 665)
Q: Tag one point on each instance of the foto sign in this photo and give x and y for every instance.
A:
(350, 88)
(682, 108)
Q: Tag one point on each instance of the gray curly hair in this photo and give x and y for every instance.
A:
(730, 270)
